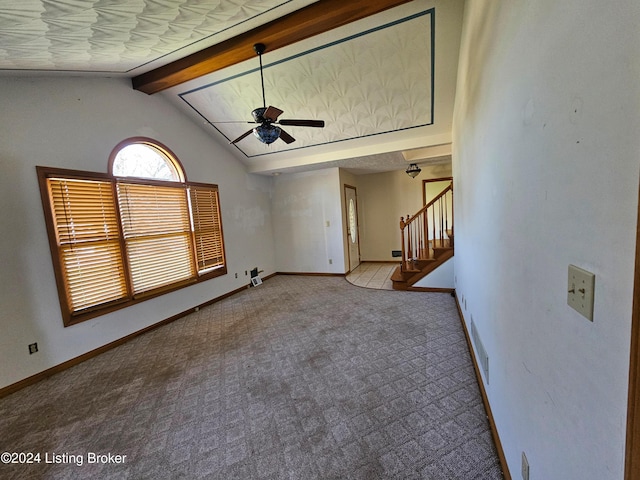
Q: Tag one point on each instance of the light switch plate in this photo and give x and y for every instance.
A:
(580, 288)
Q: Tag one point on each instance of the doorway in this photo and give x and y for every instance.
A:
(432, 187)
(353, 236)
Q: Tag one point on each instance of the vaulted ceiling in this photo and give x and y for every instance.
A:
(383, 80)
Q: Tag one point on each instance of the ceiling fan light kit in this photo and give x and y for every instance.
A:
(267, 132)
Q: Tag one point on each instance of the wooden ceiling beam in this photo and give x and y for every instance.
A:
(317, 18)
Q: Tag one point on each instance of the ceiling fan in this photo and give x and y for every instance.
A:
(268, 130)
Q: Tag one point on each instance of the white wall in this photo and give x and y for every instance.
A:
(546, 166)
(75, 123)
(441, 277)
(382, 199)
(302, 205)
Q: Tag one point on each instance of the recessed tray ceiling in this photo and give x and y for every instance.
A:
(374, 82)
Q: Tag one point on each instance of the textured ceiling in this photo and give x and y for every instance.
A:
(374, 82)
(116, 36)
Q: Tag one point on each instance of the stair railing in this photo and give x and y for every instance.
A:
(431, 226)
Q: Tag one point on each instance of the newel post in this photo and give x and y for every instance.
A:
(410, 246)
(404, 253)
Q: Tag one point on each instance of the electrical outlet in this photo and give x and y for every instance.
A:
(525, 467)
(33, 348)
(237, 275)
(245, 273)
(330, 262)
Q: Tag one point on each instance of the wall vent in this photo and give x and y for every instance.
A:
(481, 352)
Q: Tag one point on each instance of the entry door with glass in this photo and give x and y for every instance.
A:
(353, 238)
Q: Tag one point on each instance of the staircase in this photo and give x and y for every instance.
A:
(427, 240)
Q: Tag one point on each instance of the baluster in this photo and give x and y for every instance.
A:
(440, 205)
(452, 225)
(446, 213)
(424, 237)
(418, 237)
(416, 240)
(425, 234)
(409, 240)
(433, 218)
(403, 257)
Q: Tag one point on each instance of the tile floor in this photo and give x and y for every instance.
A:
(373, 275)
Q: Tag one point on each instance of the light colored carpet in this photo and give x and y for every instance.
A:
(299, 378)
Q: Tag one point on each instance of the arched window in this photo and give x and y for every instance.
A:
(145, 158)
(137, 232)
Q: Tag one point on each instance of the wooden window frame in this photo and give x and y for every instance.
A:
(153, 144)
(70, 317)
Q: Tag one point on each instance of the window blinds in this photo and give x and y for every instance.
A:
(207, 227)
(86, 228)
(115, 242)
(157, 233)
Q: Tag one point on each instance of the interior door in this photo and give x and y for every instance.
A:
(353, 237)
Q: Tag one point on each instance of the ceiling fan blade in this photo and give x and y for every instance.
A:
(272, 113)
(241, 137)
(267, 132)
(231, 121)
(286, 137)
(303, 123)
